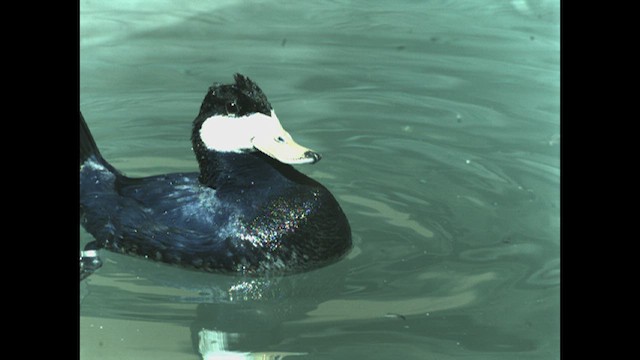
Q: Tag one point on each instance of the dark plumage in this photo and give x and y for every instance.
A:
(244, 212)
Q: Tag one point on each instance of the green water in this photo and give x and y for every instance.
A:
(438, 122)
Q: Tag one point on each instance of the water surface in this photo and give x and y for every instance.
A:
(438, 122)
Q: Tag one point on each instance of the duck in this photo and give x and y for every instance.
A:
(247, 210)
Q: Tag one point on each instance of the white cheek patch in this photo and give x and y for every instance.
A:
(234, 134)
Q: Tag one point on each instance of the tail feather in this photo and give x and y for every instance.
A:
(88, 146)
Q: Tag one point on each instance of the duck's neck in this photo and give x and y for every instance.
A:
(245, 170)
(220, 169)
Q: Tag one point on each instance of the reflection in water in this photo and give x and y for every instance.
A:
(214, 345)
(228, 317)
(251, 318)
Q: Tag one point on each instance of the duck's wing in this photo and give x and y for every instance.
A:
(175, 200)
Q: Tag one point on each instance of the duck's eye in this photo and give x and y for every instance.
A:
(280, 140)
(232, 108)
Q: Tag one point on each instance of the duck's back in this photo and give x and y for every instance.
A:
(151, 217)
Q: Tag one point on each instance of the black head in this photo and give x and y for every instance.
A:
(238, 119)
(242, 98)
